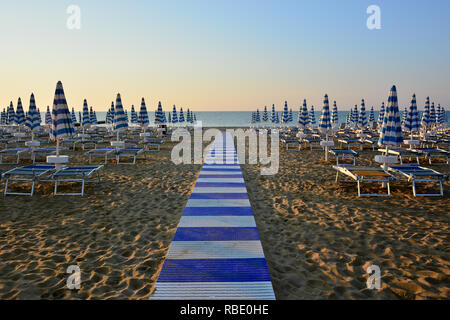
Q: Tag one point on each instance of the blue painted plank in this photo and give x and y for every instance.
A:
(219, 196)
(218, 211)
(220, 184)
(216, 234)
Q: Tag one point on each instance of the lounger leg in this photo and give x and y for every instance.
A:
(6, 187)
(56, 188)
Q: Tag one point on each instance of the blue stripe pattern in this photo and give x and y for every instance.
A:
(391, 130)
(61, 124)
(216, 253)
(120, 120)
(325, 121)
(143, 114)
(86, 117)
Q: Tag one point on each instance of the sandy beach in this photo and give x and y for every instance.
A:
(318, 236)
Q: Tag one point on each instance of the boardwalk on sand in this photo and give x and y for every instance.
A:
(216, 252)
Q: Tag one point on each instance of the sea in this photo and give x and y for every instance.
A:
(234, 118)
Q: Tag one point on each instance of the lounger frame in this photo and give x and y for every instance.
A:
(85, 172)
(25, 171)
(100, 153)
(344, 154)
(346, 170)
(12, 152)
(128, 153)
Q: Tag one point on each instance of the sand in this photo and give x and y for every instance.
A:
(318, 237)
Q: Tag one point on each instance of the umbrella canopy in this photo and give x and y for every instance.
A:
(412, 119)
(174, 115)
(159, 114)
(265, 116)
(20, 115)
(426, 114)
(285, 117)
(12, 119)
(48, 116)
(126, 115)
(273, 118)
(39, 114)
(381, 115)
(348, 121)
(303, 115)
(3, 117)
(73, 116)
(443, 117)
(181, 116)
(291, 115)
(86, 118)
(61, 124)
(432, 114)
(438, 112)
(362, 115)
(143, 114)
(391, 130)
(325, 119)
(92, 116)
(134, 116)
(404, 115)
(371, 115)
(312, 117)
(355, 115)
(33, 121)
(257, 116)
(334, 114)
(120, 121)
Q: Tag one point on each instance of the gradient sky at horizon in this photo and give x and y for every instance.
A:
(224, 55)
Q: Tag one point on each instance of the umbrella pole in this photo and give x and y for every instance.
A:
(57, 147)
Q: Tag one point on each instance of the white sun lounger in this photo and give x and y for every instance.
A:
(75, 174)
(432, 153)
(415, 173)
(343, 154)
(12, 152)
(366, 174)
(128, 153)
(402, 154)
(27, 173)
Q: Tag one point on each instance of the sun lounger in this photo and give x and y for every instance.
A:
(351, 143)
(128, 153)
(419, 174)
(12, 152)
(75, 174)
(100, 153)
(85, 144)
(402, 154)
(314, 143)
(344, 154)
(70, 143)
(431, 153)
(365, 174)
(39, 152)
(27, 173)
(373, 142)
(292, 144)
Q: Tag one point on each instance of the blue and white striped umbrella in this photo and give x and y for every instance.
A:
(371, 115)
(20, 115)
(334, 114)
(181, 116)
(48, 116)
(113, 113)
(425, 122)
(143, 114)
(170, 118)
(303, 115)
(73, 116)
(325, 118)
(443, 117)
(285, 117)
(277, 118)
(134, 117)
(257, 116)
(404, 115)
(355, 115)
(188, 116)
(381, 115)
(92, 116)
(174, 115)
(273, 118)
(253, 117)
(39, 114)
(362, 115)
(432, 114)
(348, 121)
(126, 115)
(391, 129)
(159, 114)
(33, 122)
(120, 122)
(80, 117)
(12, 119)
(291, 115)
(61, 124)
(265, 116)
(86, 118)
(438, 112)
(412, 119)
(312, 117)
(3, 117)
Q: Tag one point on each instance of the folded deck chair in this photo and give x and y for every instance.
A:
(402, 154)
(128, 153)
(366, 174)
(343, 154)
(431, 153)
(75, 174)
(27, 173)
(415, 173)
(351, 143)
(100, 153)
(12, 152)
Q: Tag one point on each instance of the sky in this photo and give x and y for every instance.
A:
(227, 55)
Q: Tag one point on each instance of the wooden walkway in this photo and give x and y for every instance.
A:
(216, 252)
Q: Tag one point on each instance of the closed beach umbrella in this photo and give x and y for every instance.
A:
(334, 115)
(348, 121)
(391, 130)
(181, 116)
(432, 114)
(48, 116)
(362, 115)
(303, 115)
(73, 116)
(174, 115)
(33, 122)
(11, 115)
(92, 116)
(291, 115)
(120, 121)
(3, 117)
(20, 115)
(39, 114)
(371, 116)
(274, 115)
(355, 116)
(134, 117)
(143, 115)
(285, 117)
(381, 115)
(265, 116)
(159, 115)
(425, 122)
(257, 116)
(312, 117)
(325, 119)
(443, 117)
(61, 124)
(412, 119)
(188, 116)
(404, 115)
(438, 113)
(86, 118)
